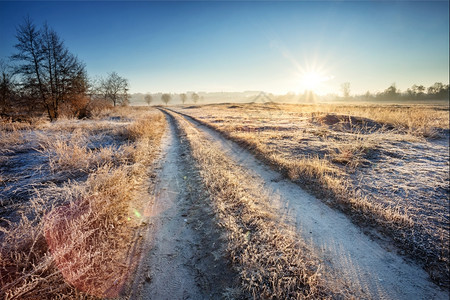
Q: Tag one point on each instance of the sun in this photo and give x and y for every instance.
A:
(312, 81)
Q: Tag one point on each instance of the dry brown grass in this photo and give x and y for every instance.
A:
(272, 260)
(9, 139)
(75, 240)
(31, 123)
(415, 118)
(420, 121)
(12, 133)
(71, 153)
(323, 157)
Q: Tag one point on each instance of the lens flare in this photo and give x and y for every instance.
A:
(137, 213)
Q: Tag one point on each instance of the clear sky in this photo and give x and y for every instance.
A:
(236, 46)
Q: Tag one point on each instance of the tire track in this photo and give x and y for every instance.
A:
(177, 260)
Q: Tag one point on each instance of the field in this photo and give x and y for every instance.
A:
(386, 166)
(231, 201)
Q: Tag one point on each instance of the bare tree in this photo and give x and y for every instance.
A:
(115, 89)
(420, 90)
(392, 92)
(95, 88)
(183, 98)
(49, 72)
(7, 89)
(30, 60)
(195, 97)
(367, 95)
(166, 98)
(148, 98)
(438, 91)
(345, 88)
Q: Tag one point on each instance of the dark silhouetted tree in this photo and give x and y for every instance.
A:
(183, 98)
(166, 98)
(48, 72)
(391, 92)
(7, 88)
(195, 97)
(115, 89)
(410, 93)
(148, 99)
(420, 90)
(435, 88)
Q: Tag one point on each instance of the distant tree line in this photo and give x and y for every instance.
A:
(167, 97)
(437, 91)
(44, 77)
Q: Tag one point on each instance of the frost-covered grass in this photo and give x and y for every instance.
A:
(69, 206)
(384, 165)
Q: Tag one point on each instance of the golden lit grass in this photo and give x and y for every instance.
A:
(12, 133)
(81, 248)
(31, 123)
(9, 139)
(326, 158)
(415, 118)
(272, 260)
(419, 121)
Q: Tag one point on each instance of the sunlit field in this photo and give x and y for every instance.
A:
(385, 166)
(83, 202)
(237, 150)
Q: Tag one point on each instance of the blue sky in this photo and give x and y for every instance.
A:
(235, 46)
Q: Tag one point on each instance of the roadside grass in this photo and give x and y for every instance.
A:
(322, 147)
(272, 260)
(75, 240)
(9, 139)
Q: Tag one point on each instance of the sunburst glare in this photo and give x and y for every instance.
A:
(314, 81)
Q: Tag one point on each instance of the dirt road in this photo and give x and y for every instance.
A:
(182, 260)
(182, 242)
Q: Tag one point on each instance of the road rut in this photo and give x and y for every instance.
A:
(178, 260)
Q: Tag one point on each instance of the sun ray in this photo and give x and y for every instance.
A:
(314, 80)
